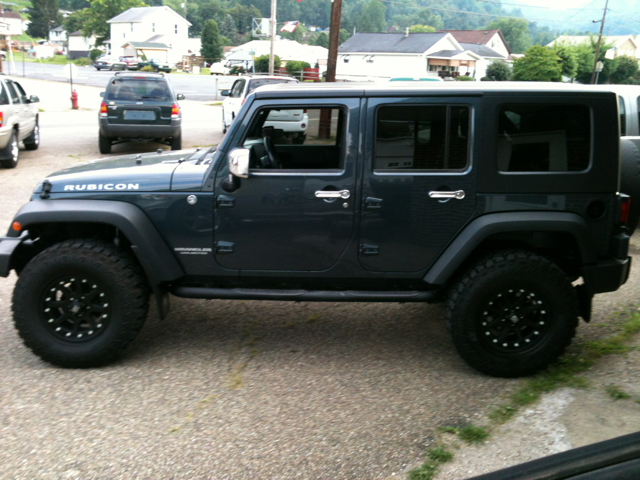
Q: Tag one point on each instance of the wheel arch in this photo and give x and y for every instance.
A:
(526, 230)
(59, 220)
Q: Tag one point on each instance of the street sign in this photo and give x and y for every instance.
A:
(70, 71)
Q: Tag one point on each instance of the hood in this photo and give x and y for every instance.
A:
(140, 172)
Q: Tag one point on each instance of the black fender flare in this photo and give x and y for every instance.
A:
(153, 253)
(487, 225)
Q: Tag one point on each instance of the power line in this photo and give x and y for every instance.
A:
(530, 6)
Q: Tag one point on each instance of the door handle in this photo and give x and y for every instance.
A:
(344, 194)
(458, 194)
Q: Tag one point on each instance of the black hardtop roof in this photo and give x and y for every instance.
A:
(394, 89)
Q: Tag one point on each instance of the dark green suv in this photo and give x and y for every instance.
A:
(140, 107)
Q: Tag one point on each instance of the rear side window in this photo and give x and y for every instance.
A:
(4, 98)
(132, 90)
(543, 138)
(253, 84)
(13, 93)
(422, 138)
(236, 90)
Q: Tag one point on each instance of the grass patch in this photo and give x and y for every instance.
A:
(435, 457)
(565, 372)
(473, 434)
(616, 392)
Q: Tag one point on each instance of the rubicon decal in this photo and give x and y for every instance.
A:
(102, 186)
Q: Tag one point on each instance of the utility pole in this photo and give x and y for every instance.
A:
(334, 39)
(273, 35)
(595, 62)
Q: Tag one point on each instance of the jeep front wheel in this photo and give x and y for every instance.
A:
(80, 303)
(512, 314)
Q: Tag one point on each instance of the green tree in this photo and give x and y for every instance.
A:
(261, 64)
(372, 17)
(100, 12)
(498, 71)
(515, 31)
(243, 17)
(539, 64)
(298, 34)
(75, 22)
(625, 70)
(44, 16)
(211, 47)
(421, 29)
(322, 39)
(568, 60)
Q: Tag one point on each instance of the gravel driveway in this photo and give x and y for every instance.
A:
(229, 389)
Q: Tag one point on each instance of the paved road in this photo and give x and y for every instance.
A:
(194, 87)
(231, 389)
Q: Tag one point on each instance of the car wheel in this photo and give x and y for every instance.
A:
(98, 69)
(512, 314)
(104, 143)
(80, 303)
(12, 150)
(299, 139)
(32, 142)
(176, 143)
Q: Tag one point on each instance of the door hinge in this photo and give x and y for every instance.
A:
(366, 249)
(225, 201)
(224, 247)
(371, 202)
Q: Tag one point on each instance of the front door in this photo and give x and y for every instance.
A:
(419, 184)
(295, 211)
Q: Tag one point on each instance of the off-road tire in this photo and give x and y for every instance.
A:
(513, 313)
(176, 143)
(58, 306)
(32, 142)
(12, 150)
(104, 143)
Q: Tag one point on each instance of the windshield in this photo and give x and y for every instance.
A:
(138, 89)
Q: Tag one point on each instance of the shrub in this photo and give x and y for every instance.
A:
(464, 78)
(94, 54)
(147, 68)
(82, 61)
(261, 64)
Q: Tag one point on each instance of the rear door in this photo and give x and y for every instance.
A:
(419, 184)
(138, 101)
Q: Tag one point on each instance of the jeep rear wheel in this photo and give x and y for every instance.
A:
(80, 303)
(512, 314)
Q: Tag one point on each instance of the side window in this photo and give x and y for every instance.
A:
(4, 97)
(236, 90)
(623, 117)
(296, 139)
(422, 138)
(21, 92)
(13, 93)
(543, 138)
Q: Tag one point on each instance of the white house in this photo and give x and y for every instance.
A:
(489, 38)
(79, 46)
(625, 45)
(381, 56)
(58, 35)
(287, 50)
(157, 29)
(11, 23)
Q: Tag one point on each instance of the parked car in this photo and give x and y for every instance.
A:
(130, 61)
(107, 62)
(294, 124)
(494, 197)
(157, 65)
(19, 121)
(140, 107)
(218, 68)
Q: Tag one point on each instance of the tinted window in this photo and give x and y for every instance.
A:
(21, 92)
(543, 138)
(4, 98)
(259, 82)
(623, 117)
(132, 90)
(421, 138)
(236, 90)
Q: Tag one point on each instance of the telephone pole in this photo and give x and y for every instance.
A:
(334, 39)
(595, 62)
(273, 35)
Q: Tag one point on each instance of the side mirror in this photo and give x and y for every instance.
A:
(224, 93)
(239, 162)
(179, 96)
(33, 99)
(102, 94)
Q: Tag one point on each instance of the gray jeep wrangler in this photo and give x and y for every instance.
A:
(502, 200)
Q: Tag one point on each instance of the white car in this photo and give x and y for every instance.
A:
(293, 123)
(108, 62)
(218, 69)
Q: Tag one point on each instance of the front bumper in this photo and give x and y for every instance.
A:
(124, 130)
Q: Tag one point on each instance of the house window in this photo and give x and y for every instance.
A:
(124, 35)
(132, 27)
(176, 28)
(153, 27)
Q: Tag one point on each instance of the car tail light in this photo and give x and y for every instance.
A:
(625, 207)
(175, 110)
(1, 119)
(304, 111)
(103, 109)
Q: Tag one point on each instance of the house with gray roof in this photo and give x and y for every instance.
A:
(380, 56)
(159, 31)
